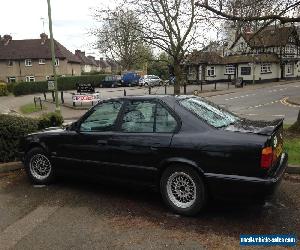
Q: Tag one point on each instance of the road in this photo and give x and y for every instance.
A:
(79, 214)
(265, 101)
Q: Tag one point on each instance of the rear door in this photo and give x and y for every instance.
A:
(145, 132)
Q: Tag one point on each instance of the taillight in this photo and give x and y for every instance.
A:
(266, 157)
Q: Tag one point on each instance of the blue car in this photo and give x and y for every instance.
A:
(130, 79)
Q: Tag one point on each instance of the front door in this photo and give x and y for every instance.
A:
(145, 132)
(87, 148)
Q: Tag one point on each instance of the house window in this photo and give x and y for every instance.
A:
(30, 79)
(265, 68)
(190, 69)
(10, 63)
(28, 63)
(211, 71)
(11, 79)
(56, 62)
(42, 61)
(289, 69)
(245, 71)
(230, 70)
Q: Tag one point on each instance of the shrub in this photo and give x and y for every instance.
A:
(69, 83)
(52, 119)
(25, 88)
(10, 87)
(63, 83)
(3, 89)
(12, 128)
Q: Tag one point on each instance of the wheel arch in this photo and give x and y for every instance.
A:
(36, 145)
(179, 161)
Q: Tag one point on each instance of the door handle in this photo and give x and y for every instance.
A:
(102, 142)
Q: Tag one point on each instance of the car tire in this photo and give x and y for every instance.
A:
(183, 190)
(146, 84)
(39, 167)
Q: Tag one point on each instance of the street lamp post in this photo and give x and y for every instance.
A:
(57, 108)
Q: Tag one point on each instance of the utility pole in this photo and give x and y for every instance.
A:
(57, 108)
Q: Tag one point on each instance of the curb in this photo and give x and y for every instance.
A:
(11, 166)
(292, 169)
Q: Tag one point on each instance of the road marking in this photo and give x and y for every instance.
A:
(18, 230)
(286, 103)
(238, 97)
(279, 115)
(262, 105)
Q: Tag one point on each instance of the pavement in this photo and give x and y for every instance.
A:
(80, 214)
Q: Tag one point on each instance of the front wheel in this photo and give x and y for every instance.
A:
(38, 166)
(183, 190)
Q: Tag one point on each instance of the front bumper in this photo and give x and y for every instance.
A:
(244, 186)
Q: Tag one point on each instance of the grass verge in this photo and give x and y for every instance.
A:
(30, 108)
(292, 145)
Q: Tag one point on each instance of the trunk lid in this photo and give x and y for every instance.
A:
(255, 127)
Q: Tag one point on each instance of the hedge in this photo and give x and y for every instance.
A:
(3, 89)
(64, 83)
(12, 128)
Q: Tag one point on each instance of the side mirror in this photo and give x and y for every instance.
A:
(73, 126)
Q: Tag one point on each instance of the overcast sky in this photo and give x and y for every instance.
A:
(71, 20)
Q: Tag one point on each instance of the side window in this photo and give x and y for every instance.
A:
(139, 117)
(165, 122)
(102, 118)
(147, 117)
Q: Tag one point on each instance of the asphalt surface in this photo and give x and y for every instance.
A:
(80, 214)
(262, 101)
(265, 103)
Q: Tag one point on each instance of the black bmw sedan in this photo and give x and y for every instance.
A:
(188, 147)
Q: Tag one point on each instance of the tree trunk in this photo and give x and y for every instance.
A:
(298, 118)
(177, 73)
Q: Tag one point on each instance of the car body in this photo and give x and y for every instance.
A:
(111, 81)
(130, 79)
(150, 80)
(180, 144)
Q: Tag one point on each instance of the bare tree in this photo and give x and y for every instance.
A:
(119, 36)
(281, 10)
(171, 26)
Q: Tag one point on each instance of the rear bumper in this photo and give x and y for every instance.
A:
(246, 187)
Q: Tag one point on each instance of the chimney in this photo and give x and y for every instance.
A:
(43, 37)
(6, 39)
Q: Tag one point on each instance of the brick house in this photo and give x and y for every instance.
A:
(30, 60)
(88, 63)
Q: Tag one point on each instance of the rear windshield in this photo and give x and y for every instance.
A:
(209, 112)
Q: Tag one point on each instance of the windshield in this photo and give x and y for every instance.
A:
(209, 112)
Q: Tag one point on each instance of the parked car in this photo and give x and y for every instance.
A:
(186, 146)
(130, 79)
(111, 81)
(150, 80)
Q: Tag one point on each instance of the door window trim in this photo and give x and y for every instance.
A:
(118, 126)
(87, 114)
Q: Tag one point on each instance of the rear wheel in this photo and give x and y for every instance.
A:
(39, 167)
(183, 190)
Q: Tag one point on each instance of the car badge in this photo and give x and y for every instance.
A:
(275, 141)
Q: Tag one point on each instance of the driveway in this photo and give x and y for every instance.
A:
(80, 214)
